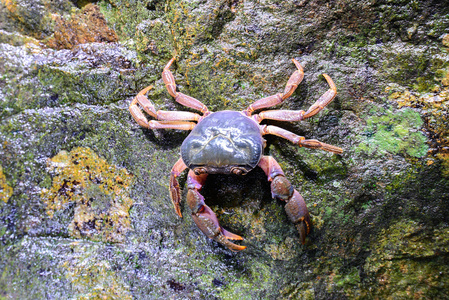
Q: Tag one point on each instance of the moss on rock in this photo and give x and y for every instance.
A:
(394, 133)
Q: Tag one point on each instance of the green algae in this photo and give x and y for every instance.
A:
(396, 261)
(395, 133)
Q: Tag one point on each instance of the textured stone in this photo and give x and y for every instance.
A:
(379, 210)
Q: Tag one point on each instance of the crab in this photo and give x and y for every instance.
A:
(231, 142)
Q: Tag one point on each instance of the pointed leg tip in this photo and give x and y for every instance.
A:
(236, 248)
(178, 212)
(230, 236)
(297, 64)
(302, 230)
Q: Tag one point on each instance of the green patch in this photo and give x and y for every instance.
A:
(396, 261)
(395, 133)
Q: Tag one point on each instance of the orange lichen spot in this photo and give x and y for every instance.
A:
(11, 6)
(445, 40)
(98, 191)
(85, 26)
(5, 189)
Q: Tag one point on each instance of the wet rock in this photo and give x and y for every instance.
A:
(379, 211)
(34, 18)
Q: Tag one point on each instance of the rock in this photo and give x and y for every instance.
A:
(445, 40)
(102, 225)
(86, 26)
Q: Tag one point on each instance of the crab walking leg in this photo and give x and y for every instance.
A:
(137, 114)
(204, 217)
(293, 82)
(181, 98)
(168, 119)
(175, 190)
(181, 125)
(299, 140)
(163, 115)
(282, 189)
(298, 115)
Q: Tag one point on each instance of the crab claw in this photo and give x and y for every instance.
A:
(207, 222)
(298, 214)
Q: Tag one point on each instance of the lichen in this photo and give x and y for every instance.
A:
(434, 106)
(85, 26)
(395, 133)
(5, 189)
(36, 17)
(396, 261)
(92, 278)
(98, 191)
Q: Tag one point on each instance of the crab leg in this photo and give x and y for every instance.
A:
(175, 190)
(161, 115)
(281, 188)
(181, 98)
(204, 217)
(298, 115)
(299, 140)
(293, 82)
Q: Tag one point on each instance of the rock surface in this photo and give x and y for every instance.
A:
(85, 211)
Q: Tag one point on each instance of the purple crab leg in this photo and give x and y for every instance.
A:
(204, 217)
(281, 188)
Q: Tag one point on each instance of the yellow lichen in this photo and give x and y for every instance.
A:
(283, 251)
(99, 192)
(445, 40)
(85, 26)
(11, 5)
(5, 189)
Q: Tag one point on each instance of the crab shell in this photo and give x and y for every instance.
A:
(223, 142)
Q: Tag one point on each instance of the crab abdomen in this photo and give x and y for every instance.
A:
(221, 141)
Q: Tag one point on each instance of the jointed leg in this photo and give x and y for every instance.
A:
(204, 217)
(185, 100)
(175, 190)
(299, 140)
(167, 119)
(181, 125)
(137, 114)
(281, 188)
(298, 115)
(293, 82)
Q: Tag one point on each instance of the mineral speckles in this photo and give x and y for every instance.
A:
(98, 191)
(5, 189)
(92, 277)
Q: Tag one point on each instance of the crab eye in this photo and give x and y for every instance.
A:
(199, 171)
(238, 171)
